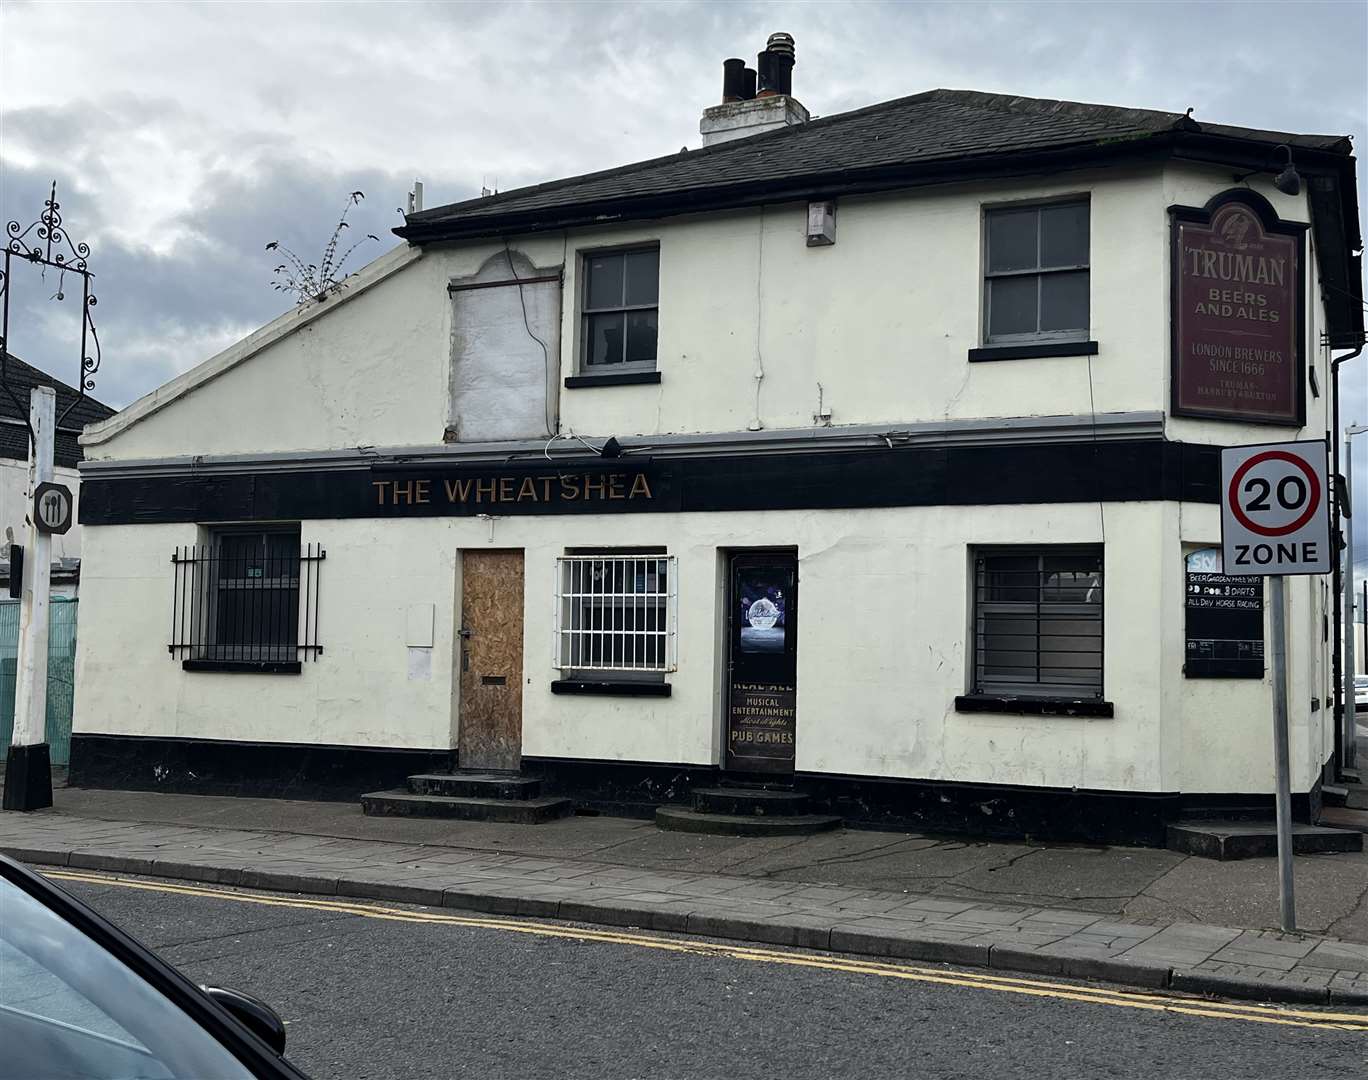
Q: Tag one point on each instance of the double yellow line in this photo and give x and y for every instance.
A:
(1093, 995)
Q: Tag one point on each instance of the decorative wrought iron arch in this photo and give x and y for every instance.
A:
(45, 242)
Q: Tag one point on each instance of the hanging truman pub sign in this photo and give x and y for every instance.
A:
(1238, 311)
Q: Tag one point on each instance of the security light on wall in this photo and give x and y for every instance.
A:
(1288, 181)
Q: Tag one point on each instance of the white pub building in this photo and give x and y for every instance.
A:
(865, 464)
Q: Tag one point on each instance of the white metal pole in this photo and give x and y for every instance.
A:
(28, 779)
(1349, 736)
(1283, 796)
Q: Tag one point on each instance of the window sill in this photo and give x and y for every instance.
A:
(611, 687)
(1036, 351)
(612, 378)
(1034, 706)
(246, 667)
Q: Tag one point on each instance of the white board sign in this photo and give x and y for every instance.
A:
(1275, 516)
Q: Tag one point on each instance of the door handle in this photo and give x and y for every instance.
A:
(464, 632)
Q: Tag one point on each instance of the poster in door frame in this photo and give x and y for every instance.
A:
(762, 696)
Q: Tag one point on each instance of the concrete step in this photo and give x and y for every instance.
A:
(1344, 817)
(678, 819)
(1225, 840)
(515, 811)
(1345, 793)
(749, 801)
(476, 785)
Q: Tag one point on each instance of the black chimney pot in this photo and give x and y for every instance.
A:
(733, 80)
(782, 72)
(780, 47)
(747, 84)
(765, 69)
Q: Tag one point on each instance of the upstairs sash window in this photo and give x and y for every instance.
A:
(621, 298)
(1036, 273)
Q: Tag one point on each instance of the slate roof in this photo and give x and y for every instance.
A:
(14, 440)
(939, 125)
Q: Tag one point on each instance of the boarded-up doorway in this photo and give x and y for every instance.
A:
(491, 647)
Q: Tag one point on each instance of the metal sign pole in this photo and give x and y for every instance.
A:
(28, 769)
(1283, 794)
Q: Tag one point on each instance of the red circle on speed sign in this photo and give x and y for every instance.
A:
(1312, 502)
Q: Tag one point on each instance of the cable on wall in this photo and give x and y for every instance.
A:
(527, 325)
(756, 424)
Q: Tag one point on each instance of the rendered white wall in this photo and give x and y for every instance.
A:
(373, 371)
(882, 649)
(881, 322)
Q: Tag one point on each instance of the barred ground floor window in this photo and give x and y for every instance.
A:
(616, 611)
(248, 597)
(1038, 622)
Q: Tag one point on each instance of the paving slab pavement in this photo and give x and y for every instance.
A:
(893, 895)
(1141, 884)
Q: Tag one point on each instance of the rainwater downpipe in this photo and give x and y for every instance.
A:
(1342, 754)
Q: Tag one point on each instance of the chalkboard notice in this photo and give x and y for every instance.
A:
(1223, 622)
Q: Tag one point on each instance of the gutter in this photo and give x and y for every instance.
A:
(1107, 427)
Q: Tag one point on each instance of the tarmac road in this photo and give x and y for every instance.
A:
(374, 991)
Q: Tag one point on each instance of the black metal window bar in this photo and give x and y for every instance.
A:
(248, 599)
(1038, 623)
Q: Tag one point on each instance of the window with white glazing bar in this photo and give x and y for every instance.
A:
(616, 612)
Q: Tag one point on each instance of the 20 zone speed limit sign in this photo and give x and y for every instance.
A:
(1275, 515)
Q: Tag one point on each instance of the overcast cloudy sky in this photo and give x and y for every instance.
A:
(185, 136)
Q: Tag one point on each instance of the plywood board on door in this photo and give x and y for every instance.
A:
(491, 660)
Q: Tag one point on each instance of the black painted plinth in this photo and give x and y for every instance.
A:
(28, 777)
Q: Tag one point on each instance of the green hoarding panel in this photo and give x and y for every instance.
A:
(61, 674)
